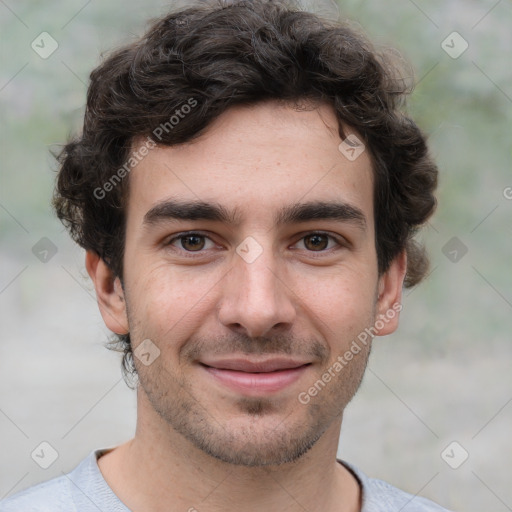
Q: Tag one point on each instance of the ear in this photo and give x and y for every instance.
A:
(109, 292)
(389, 300)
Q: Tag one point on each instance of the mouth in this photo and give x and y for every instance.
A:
(255, 378)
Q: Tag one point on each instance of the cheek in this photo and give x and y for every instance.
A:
(168, 305)
(341, 303)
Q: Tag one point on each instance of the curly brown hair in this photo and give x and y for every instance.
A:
(221, 53)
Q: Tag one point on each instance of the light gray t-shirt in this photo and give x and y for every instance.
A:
(85, 490)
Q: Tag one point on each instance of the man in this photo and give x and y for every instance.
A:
(247, 191)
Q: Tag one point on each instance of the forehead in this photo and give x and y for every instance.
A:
(254, 160)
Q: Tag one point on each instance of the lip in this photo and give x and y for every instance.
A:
(254, 366)
(256, 377)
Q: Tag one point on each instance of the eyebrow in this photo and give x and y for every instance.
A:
(292, 214)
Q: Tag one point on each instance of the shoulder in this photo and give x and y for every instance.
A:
(380, 496)
(51, 496)
(71, 492)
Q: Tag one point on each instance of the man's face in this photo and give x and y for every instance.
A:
(250, 311)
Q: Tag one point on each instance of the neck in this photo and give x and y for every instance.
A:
(159, 469)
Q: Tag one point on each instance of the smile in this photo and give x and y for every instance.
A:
(256, 378)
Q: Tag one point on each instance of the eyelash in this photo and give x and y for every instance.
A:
(340, 242)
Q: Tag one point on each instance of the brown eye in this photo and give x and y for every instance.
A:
(192, 242)
(316, 242)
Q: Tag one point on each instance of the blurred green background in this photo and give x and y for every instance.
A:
(444, 376)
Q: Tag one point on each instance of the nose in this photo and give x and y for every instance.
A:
(256, 298)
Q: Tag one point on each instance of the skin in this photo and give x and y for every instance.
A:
(200, 445)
